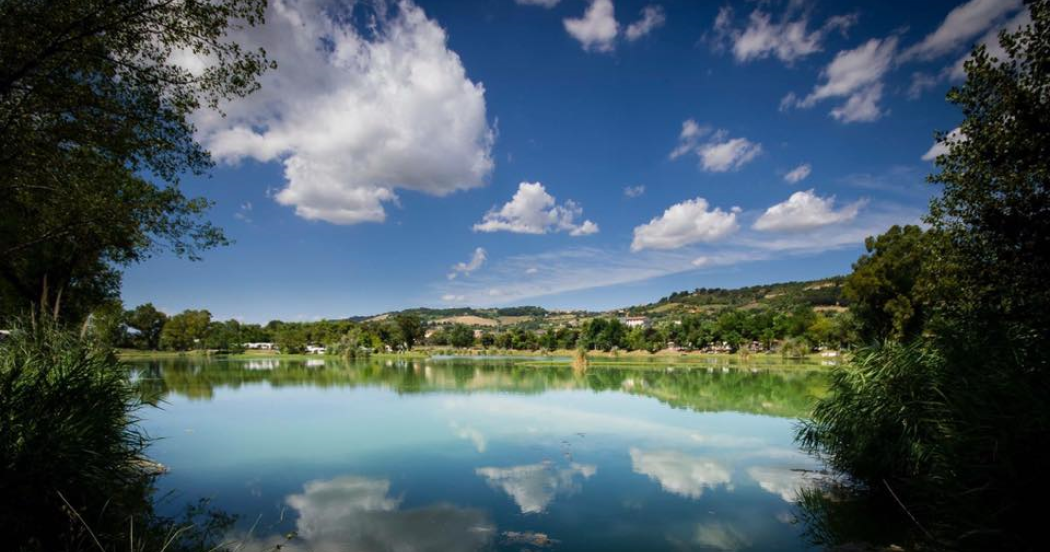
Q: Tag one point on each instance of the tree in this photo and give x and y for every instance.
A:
(107, 325)
(883, 287)
(225, 336)
(148, 322)
(290, 338)
(821, 331)
(186, 330)
(411, 328)
(948, 420)
(96, 132)
(993, 218)
(460, 335)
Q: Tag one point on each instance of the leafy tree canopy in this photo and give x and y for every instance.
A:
(95, 122)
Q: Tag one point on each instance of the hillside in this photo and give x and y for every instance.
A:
(823, 294)
(819, 294)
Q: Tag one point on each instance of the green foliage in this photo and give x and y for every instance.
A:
(779, 296)
(66, 426)
(411, 328)
(148, 322)
(992, 221)
(224, 336)
(460, 335)
(885, 282)
(96, 134)
(291, 338)
(106, 326)
(952, 420)
(73, 475)
(186, 331)
(889, 419)
(603, 334)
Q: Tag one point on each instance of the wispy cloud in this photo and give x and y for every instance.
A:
(634, 191)
(475, 262)
(244, 213)
(799, 173)
(855, 75)
(652, 18)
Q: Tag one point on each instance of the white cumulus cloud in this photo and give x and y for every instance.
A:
(685, 223)
(355, 115)
(799, 173)
(805, 211)
(597, 29)
(652, 18)
(476, 260)
(533, 211)
(716, 150)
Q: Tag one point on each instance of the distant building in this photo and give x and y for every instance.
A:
(315, 349)
(261, 346)
(635, 321)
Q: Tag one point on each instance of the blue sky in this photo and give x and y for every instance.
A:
(569, 154)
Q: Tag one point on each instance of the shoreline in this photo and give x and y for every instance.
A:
(563, 356)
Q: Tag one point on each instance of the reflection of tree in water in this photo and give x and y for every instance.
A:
(775, 393)
(837, 518)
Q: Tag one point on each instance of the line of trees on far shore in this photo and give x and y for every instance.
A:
(799, 328)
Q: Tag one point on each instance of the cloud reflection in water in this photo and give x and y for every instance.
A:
(534, 486)
(348, 513)
(680, 473)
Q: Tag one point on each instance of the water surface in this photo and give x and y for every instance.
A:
(489, 454)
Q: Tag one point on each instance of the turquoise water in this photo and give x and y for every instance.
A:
(456, 454)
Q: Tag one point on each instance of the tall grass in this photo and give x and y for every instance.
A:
(67, 429)
(73, 471)
(957, 442)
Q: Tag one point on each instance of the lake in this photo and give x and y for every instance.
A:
(486, 454)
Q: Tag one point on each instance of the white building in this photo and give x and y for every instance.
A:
(635, 321)
(315, 349)
(261, 346)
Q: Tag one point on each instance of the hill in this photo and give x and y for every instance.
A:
(823, 294)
